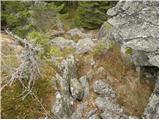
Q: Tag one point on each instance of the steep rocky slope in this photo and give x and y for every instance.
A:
(108, 74)
(135, 28)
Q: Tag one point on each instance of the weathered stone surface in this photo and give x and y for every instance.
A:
(79, 111)
(68, 69)
(154, 60)
(135, 25)
(76, 89)
(62, 85)
(63, 43)
(84, 82)
(104, 30)
(152, 109)
(103, 89)
(91, 113)
(66, 82)
(110, 109)
(84, 45)
(63, 106)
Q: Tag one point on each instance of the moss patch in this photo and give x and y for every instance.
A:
(128, 51)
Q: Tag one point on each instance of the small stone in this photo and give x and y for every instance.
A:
(103, 89)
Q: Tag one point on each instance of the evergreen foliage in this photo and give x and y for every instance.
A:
(15, 16)
(92, 14)
(24, 17)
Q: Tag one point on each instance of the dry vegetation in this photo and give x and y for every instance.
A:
(121, 75)
(132, 93)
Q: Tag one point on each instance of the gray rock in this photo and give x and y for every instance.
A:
(95, 116)
(76, 89)
(103, 89)
(152, 109)
(62, 43)
(62, 85)
(91, 113)
(110, 110)
(66, 81)
(63, 106)
(84, 82)
(84, 45)
(68, 69)
(135, 25)
(104, 30)
(78, 32)
(79, 111)
(154, 60)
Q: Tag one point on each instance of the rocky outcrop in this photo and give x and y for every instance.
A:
(135, 26)
(68, 88)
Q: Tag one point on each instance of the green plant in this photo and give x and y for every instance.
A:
(92, 14)
(15, 16)
(55, 51)
(128, 51)
(44, 16)
(99, 49)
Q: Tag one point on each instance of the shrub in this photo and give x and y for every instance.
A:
(44, 16)
(15, 16)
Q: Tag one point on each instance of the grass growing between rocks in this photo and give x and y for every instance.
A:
(12, 105)
(121, 75)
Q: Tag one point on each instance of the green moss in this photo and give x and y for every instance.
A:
(107, 25)
(94, 96)
(128, 51)
(14, 107)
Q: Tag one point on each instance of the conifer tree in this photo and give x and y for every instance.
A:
(92, 14)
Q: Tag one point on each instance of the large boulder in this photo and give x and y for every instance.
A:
(135, 26)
